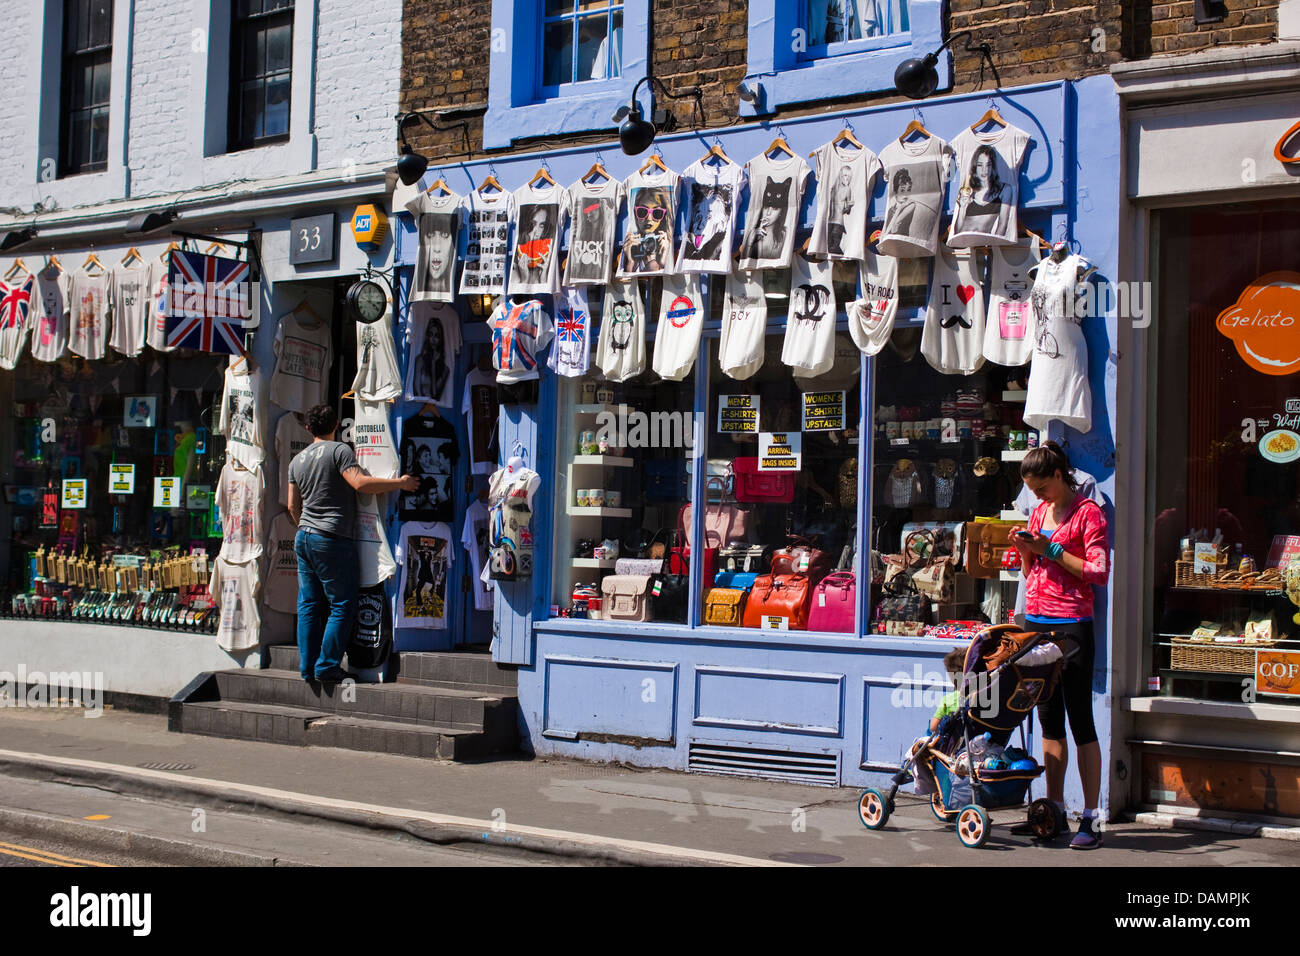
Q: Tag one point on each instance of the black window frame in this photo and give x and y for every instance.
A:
(75, 58)
(244, 23)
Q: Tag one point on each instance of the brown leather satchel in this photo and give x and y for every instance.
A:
(800, 557)
(724, 607)
(787, 596)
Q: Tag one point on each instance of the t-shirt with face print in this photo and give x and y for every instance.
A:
(160, 285)
(487, 243)
(775, 195)
(988, 166)
(846, 178)
(681, 323)
(620, 352)
(712, 192)
(131, 302)
(810, 328)
(88, 321)
(539, 212)
(431, 348)
(593, 219)
(437, 217)
(49, 314)
(648, 242)
(916, 174)
(953, 338)
(744, 326)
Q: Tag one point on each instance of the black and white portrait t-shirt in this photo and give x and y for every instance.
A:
(428, 451)
(744, 326)
(434, 340)
(424, 554)
(916, 174)
(437, 217)
(681, 323)
(809, 346)
(775, 195)
(539, 211)
(988, 165)
(620, 351)
(846, 178)
(487, 243)
(571, 353)
(712, 197)
(241, 420)
(648, 243)
(480, 407)
(593, 218)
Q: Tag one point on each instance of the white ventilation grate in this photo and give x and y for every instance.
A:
(819, 769)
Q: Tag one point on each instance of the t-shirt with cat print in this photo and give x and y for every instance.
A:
(989, 169)
(593, 218)
(681, 322)
(744, 326)
(916, 174)
(648, 241)
(712, 194)
(1007, 336)
(620, 352)
(539, 213)
(810, 328)
(846, 178)
(775, 195)
(871, 317)
(953, 338)
(49, 313)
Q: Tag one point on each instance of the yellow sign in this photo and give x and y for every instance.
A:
(167, 492)
(738, 413)
(121, 479)
(74, 492)
(823, 411)
(369, 226)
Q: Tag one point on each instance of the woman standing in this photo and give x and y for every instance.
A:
(1064, 553)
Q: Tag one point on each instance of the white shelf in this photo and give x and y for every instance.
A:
(604, 564)
(1011, 514)
(577, 512)
(1012, 576)
(610, 461)
(1010, 455)
(1014, 395)
(594, 409)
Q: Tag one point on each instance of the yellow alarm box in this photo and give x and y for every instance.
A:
(369, 226)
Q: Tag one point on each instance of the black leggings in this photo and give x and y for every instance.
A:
(1073, 694)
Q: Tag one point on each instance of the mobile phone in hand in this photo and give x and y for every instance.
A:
(1025, 535)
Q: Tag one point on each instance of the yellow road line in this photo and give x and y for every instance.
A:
(56, 858)
(38, 859)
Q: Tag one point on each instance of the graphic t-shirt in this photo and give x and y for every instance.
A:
(487, 243)
(474, 539)
(160, 286)
(428, 451)
(290, 438)
(681, 322)
(281, 591)
(571, 354)
(239, 498)
(744, 326)
(433, 341)
(953, 338)
(916, 173)
(241, 421)
(377, 564)
(519, 332)
(88, 321)
(15, 318)
(479, 406)
(651, 220)
(712, 197)
(303, 357)
(988, 165)
(593, 217)
(51, 296)
(372, 439)
(775, 195)
(437, 218)
(234, 588)
(872, 315)
(846, 178)
(424, 554)
(620, 352)
(535, 267)
(1058, 375)
(1008, 338)
(130, 297)
(810, 328)
(378, 376)
(329, 504)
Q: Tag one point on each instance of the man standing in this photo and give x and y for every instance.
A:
(324, 479)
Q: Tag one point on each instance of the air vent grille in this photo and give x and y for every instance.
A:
(819, 769)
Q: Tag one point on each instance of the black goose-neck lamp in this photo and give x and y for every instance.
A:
(635, 132)
(410, 164)
(918, 78)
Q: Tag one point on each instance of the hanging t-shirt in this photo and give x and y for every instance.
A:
(846, 178)
(916, 173)
(160, 286)
(810, 328)
(281, 591)
(437, 218)
(474, 539)
(234, 588)
(424, 552)
(429, 452)
(989, 167)
(872, 315)
(744, 326)
(1058, 377)
(239, 498)
(538, 224)
(479, 406)
(487, 243)
(775, 195)
(15, 318)
(712, 196)
(953, 338)
(51, 295)
(130, 298)
(593, 217)
(433, 339)
(240, 421)
(519, 332)
(303, 357)
(1007, 336)
(376, 558)
(88, 321)
(372, 440)
(620, 353)
(571, 354)
(651, 220)
(681, 323)
(290, 438)
(378, 376)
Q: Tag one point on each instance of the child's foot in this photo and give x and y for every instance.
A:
(1085, 839)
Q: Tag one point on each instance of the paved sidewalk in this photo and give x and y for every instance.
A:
(583, 810)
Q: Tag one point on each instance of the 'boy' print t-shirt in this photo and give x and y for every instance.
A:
(744, 326)
(775, 195)
(712, 196)
(916, 174)
(132, 305)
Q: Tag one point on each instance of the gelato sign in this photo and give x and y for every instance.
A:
(1264, 323)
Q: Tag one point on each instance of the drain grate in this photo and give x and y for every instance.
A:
(166, 766)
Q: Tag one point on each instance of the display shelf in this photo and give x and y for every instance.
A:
(603, 564)
(610, 461)
(576, 511)
(1233, 592)
(1014, 395)
(1014, 455)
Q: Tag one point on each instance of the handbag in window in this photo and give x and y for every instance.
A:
(670, 598)
(624, 597)
(781, 598)
(724, 607)
(757, 486)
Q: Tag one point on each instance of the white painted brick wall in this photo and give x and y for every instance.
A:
(18, 82)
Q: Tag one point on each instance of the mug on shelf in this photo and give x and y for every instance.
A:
(614, 498)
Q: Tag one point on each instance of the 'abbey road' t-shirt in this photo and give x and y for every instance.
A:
(281, 591)
(241, 421)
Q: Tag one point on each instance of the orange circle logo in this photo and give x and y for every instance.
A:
(1264, 323)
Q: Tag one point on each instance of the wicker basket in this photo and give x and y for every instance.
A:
(1186, 577)
(1188, 655)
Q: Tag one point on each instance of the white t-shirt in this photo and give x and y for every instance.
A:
(593, 218)
(433, 340)
(539, 214)
(916, 173)
(744, 326)
(846, 178)
(156, 334)
(130, 297)
(290, 438)
(871, 317)
(620, 352)
(487, 244)
(281, 591)
(377, 564)
(424, 555)
(712, 198)
(775, 196)
(810, 328)
(378, 376)
(303, 357)
(372, 440)
(571, 354)
(437, 218)
(234, 588)
(239, 497)
(241, 419)
(88, 321)
(953, 338)
(51, 295)
(519, 332)
(989, 167)
(681, 323)
(479, 406)
(474, 539)
(648, 244)
(15, 318)
(1058, 375)
(1008, 331)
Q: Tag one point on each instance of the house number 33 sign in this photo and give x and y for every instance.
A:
(312, 239)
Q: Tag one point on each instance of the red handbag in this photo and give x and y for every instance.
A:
(752, 485)
(834, 603)
(779, 596)
(679, 562)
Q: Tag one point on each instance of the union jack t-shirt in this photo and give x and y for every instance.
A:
(15, 306)
(519, 332)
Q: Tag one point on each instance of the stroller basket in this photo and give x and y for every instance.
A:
(997, 788)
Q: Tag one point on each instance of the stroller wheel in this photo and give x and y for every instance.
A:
(972, 826)
(873, 809)
(937, 808)
(1045, 819)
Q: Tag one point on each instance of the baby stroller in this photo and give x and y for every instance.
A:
(1006, 673)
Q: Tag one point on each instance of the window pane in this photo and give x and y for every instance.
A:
(250, 113)
(102, 77)
(276, 122)
(557, 54)
(555, 8)
(101, 23)
(99, 136)
(279, 48)
(79, 146)
(834, 21)
(593, 48)
(273, 5)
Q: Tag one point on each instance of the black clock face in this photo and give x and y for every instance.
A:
(369, 301)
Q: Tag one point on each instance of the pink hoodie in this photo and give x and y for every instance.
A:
(1052, 591)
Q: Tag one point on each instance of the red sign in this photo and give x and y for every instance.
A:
(1264, 323)
(1283, 549)
(1277, 672)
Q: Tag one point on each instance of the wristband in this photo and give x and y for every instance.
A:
(1054, 550)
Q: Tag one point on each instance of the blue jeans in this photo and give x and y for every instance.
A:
(328, 576)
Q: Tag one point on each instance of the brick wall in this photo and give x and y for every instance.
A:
(1152, 29)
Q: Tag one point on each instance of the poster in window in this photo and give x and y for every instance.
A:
(141, 411)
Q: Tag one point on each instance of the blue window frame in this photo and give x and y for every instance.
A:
(793, 61)
(562, 66)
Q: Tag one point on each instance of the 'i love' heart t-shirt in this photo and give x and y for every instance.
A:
(953, 339)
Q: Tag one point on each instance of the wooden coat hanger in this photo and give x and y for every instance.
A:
(781, 144)
(991, 115)
(490, 183)
(440, 184)
(133, 253)
(542, 173)
(654, 160)
(216, 245)
(17, 264)
(1040, 242)
(53, 261)
(597, 169)
(716, 151)
(916, 126)
(92, 260)
(168, 251)
(843, 136)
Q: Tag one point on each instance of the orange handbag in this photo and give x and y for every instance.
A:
(778, 596)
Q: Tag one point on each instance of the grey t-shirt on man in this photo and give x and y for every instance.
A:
(329, 503)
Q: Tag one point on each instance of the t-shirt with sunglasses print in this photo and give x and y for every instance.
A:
(648, 238)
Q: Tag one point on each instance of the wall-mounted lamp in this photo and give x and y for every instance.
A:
(635, 132)
(147, 222)
(917, 79)
(410, 164)
(17, 237)
(751, 90)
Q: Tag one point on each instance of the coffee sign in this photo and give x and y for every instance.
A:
(1264, 323)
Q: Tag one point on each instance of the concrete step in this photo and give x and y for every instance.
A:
(451, 669)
